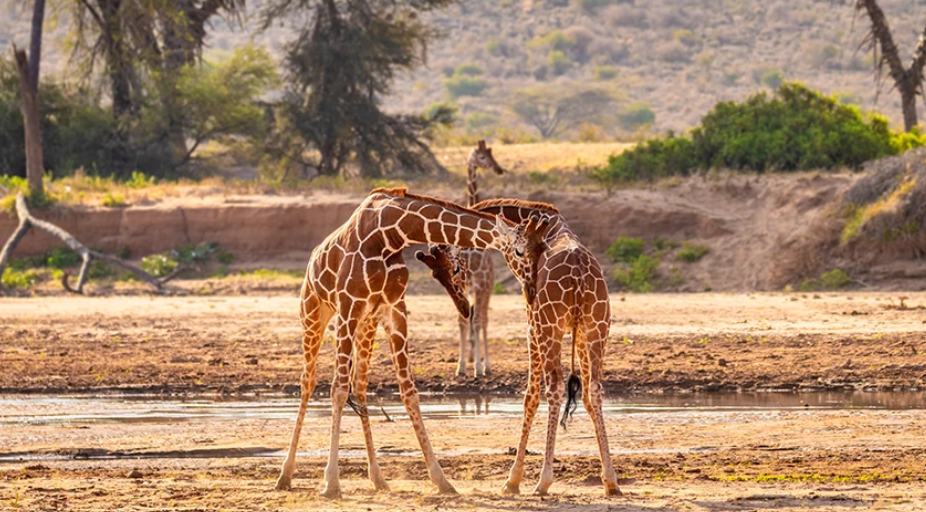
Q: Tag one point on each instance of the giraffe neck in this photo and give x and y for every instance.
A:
(410, 221)
(472, 188)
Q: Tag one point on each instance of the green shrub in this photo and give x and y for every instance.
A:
(459, 86)
(604, 73)
(692, 253)
(636, 114)
(111, 200)
(138, 179)
(61, 258)
(158, 265)
(558, 61)
(637, 277)
(99, 270)
(494, 47)
(540, 177)
(499, 289)
(835, 279)
(795, 129)
(18, 278)
(626, 250)
(685, 36)
(773, 79)
(468, 69)
(556, 40)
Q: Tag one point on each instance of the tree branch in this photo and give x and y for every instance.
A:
(27, 221)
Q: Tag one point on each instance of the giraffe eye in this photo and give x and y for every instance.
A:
(456, 270)
(518, 253)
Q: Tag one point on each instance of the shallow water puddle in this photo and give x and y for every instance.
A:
(697, 409)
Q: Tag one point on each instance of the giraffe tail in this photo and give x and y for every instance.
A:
(573, 384)
(360, 410)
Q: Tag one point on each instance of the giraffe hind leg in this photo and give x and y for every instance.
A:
(592, 396)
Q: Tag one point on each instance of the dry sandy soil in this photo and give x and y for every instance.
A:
(680, 342)
(746, 460)
(782, 460)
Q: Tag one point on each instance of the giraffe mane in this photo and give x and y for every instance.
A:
(517, 203)
(403, 192)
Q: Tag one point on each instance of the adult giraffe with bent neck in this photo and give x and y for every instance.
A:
(565, 291)
(358, 276)
(480, 276)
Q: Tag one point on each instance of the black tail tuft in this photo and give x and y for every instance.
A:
(359, 409)
(573, 386)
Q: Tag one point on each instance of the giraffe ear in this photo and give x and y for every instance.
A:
(482, 145)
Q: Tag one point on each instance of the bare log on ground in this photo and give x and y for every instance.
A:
(27, 221)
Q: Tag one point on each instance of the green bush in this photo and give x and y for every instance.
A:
(692, 253)
(494, 47)
(603, 73)
(636, 114)
(17, 278)
(795, 129)
(138, 179)
(637, 277)
(558, 61)
(61, 258)
(111, 200)
(469, 69)
(499, 289)
(625, 250)
(835, 279)
(158, 265)
(773, 79)
(459, 86)
(478, 120)
(685, 36)
(556, 40)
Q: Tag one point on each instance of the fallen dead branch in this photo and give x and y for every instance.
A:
(27, 221)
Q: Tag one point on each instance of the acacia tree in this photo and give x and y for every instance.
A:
(150, 38)
(339, 67)
(909, 80)
(28, 68)
(553, 113)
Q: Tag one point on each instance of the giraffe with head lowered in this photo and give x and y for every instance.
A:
(480, 277)
(358, 276)
(565, 292)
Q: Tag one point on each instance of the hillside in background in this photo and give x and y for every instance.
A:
(678, 58)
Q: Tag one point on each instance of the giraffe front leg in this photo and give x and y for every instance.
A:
(360, 381)
(551, 339)
(348, 320)
(313, 326)
(395, 322)
(474, 322)
(531, 403)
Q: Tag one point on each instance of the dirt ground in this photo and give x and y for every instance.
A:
(679, 342)
(779, 460)
(682, 460)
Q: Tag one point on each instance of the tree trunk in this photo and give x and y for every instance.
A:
(908, 103)
(35, 44)
(35, 167)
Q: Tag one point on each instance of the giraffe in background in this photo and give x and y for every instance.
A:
(358, 276)
(480, 278)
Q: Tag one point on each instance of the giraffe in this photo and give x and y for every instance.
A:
(480, 278)
(358, 276)
(564, 289)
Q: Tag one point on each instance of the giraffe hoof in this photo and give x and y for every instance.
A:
(284, 484)
(540, 492)
(511, 489)
(614, 491)
(381, 486)
(332, 493)
(446, 489)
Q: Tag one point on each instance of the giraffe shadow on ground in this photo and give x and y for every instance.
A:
(782, 501)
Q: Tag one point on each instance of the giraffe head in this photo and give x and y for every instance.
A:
(523, 254)
(481, 158)
(449, 268)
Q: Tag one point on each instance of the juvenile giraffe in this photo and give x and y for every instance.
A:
(480, 278)
(358, 276)
(565, 290)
